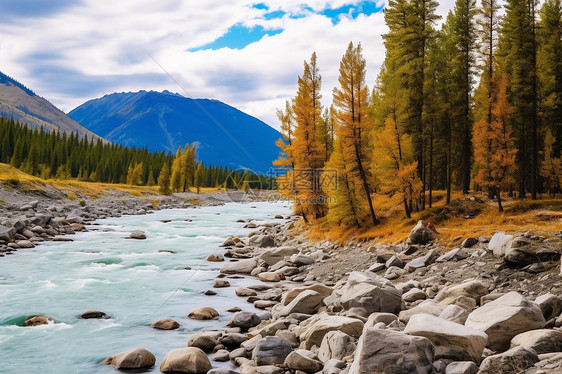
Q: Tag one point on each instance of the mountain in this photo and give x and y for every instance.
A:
(164, 121)
(22, 104)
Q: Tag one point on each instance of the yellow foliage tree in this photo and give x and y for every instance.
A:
(164, 180)
(176, 181)
(551, 169)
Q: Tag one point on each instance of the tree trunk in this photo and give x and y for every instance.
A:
(500, 207)
(365, 184)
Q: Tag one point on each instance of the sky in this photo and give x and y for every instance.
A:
(247, 54)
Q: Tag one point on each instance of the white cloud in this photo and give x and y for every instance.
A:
(102, 46)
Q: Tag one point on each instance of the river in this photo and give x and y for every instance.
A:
(130, 280)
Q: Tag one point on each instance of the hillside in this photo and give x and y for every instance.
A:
(165, 121)
(23, 105)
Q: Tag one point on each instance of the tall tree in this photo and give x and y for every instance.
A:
(164, 180)
(351, 104)
(175, 176)
(551, 167)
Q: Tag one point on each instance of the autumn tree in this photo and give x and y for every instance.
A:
(493, 145)
(164, 180)
(187, 166)
(175, 176)
(551, 167)
(134, 174)
(351, 111)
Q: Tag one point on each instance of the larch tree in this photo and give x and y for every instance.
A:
(493, 145)
(307, 150)
(551, 167)
(354, 126)
(175, 176)
(164, 180)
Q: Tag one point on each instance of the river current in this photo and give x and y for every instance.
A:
(135, 282)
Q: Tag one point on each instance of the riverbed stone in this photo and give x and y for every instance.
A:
(244, 292)
(262, 241)
(506, 317)
(319, 325)
(244, 320)
(322, 289)
(222, 355)
(203, 313)
(269, 276)
(514, 360)
(427, 306)
(273, 256)
(461, 367)
(204, 340)
(551, 305)
(139, 235)
(451, 340)
(233, 340)
(271, 351)
(215, 257)
(37, 321)
(307, 302)
(135, 358)
(474, 289)
(165, 324)
(455, 313)
(244, 266)
(541, 341)
(336, 345)
(303, 360)
(413, 295)
(186, 360)
(221, 283)
(92, 314)
(392, 352)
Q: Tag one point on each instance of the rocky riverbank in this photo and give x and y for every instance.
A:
(490, 305)
(46, 213)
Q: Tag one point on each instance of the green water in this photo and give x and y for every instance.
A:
(130, 280)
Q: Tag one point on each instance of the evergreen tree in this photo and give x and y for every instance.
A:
(176, 181)
(551, 167)
(150, 181)
(164, 180)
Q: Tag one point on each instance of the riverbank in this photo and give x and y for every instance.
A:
(489, 305)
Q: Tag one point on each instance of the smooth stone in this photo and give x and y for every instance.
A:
(135, 358)
(455, 313)
(551, 305)
(269, 277)
(303, 360)
(271, 351)
(221, 283)
(336, 345)
(413, 295)
(37, 321)
(321, 324)
(204, 340)
(541, 341)
(185, 360)
(307, 302)
(244, 266)
(244, 292)
(139, 235)
(215, 257)
(222, 355)
(91, 314)
(322, 289)
(244, 320)
(474, 289)
(203, 313)
(518, 358)
(165, 324)
(461, 367)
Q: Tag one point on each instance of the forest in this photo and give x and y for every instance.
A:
(472, 105)
(61, 156)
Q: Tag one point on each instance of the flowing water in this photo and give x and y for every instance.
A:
(130, 280)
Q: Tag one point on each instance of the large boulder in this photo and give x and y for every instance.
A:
(319, 325)
(273, 256)
(421, 234)
(506, 317)
(271, 350)
(307, 302)
(391, 352)
(242, 266)
(323, 290)
(262, 241)
(512, 361)
(185, 360)
(370, 293)
(165, 324)
(551, 305)
(474, 289)
(203, 313)
(541, 341)
(7, 233)
(426, 307)
(451, 340)
(136, 358)
(244, 320)
(303, 360)
(336, 345)
(204, 340)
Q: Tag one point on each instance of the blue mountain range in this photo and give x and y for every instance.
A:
(164, 121)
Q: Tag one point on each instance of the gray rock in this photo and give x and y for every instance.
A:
(421, 262)
(413, 295)
(244, 320)
(203, 313)
(303, 360)
(307, 302)
(91, 314)
(222, 355)
(185, 360)
(461, 367)
(455, 313)
(551, 305)
(242, 266)
(371, 293)
(221, 283)
(336, 345)
(244, 292)
(454, 254)
(394, 261)
(541, 341)
(319, 325)
(333, 366)
(469, 242)
(139, 235)
(474, 289)
(262, 241)
(391, 352)
(205, 340)
(323, 290)
(271, 350)
(506, 317)
(272, 257)
(512, 361)
(427, 306)
(233, 340)
(222, 371)
(421, 234)
(136, 358)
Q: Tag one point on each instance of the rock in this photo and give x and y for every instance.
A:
(215, 257)
(451, 340)
(506, 317)
(90, 314)
(221, 283)
(333, 367)
(454, 254)
(222, 371)
(203, 313)
(371, 293)
(273, 256)
(512, 361)
(520, 256)
(421, 262)
(228, 242)
(37, 321)
(474, 289)
(185, 360)
(210, 293)
(303, 360)
(469, 242)
(238, 353)
(323, 290)
(244, 292)
(137, 235)
(301, 260)
(391, 352)
(136, 358)
(165, 324)
(264, 304)
(222, 355)
(541, 341)
(455, 313)
(269, 277)
(262, 241)
(307, 302)
(394, 261)
(461, 367)
(7, 233)
(271, 350)
(314, 332)
(25, 244)
(427, 306)
(413, 295)
(421, 234)
(205, 340)
(551, 305)
(243, 266)
(498, 243)
(244, 320)
(233, 340)
(336, 345)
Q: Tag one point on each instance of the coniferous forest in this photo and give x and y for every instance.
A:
(472, 105)
(66, 156)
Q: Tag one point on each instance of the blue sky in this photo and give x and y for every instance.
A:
(245, 53)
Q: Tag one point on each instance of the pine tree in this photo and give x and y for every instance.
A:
(551, 167)
(353, 123)
(150, 181)
(164, 180)
(493, 145)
